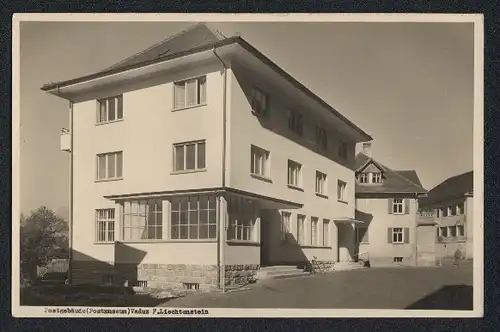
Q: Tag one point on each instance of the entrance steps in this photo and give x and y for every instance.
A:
(280, 271)
(348, 266)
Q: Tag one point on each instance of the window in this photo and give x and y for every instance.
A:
(314, 231)
(343, 151)
(450, 211)
(295, 122)
(105, 225)
(142, 220)
(110, 109)
(453, 210)
(294, 174)
(341, 195)
(376, 177)
(193, 218)
(362, 234)
(300, 228)
(189, 93)
(260, 162)
(461, 230)
(397, 235)
(452, 231)
(321, 138)
(438, 212)
(398, 259)
(320, 183)
(445, 212)
(397, 206)
(326, 232)
(460, 208)
(443, 231)
(260, 102)
(363, 178)
(110, 165)
(285, 226)
(189, 156)
(241, 219)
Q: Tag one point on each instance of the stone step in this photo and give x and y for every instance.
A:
(280, 271)
(348, 266)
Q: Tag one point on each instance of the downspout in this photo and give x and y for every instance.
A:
(416, 229)
(70, 222)
(222, 217)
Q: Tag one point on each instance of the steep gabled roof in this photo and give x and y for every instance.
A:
(454, 187)
(194, 36)
(395, 182)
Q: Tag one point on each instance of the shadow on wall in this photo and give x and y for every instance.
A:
(122, 271)
(366, 218)
(307, 140)
(450, 297)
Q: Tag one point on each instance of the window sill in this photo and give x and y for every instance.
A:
(342, 201)
(188, 107)
(295, 187)
(243, 243)
(399, 213)
(399, 243)
(189, 171)
(108, 180)
(104, 242)
(108, 122)
(322, 195)
(260, 177)
(144, 241)
(364, 243)
(308, 246)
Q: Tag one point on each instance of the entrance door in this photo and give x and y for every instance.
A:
(264, 239)
(345, 234)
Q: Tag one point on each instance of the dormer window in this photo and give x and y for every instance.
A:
(363, 178)
(370, 178)
(376, 177)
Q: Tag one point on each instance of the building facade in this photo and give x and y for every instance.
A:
(451, 205)
(393, 232)
(195, 167)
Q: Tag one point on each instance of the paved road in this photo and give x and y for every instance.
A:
(375, 288)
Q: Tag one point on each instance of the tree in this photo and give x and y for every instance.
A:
(42, 234)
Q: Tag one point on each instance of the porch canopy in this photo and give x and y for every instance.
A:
(348, 220)
(265, 202)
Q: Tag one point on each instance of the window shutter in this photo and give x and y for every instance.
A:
(389, 235)
(390, 205)
(407, 206)
(406, 235)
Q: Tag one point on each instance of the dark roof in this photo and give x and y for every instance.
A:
(154, 55)
(395, 182)
(194, 36)
(454, 187)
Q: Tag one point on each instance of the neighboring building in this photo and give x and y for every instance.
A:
(387, 201)
(451, 204)
(196, 133)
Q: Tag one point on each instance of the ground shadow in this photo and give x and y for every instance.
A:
(450, 297)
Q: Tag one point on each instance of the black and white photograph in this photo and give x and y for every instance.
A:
(217, 165)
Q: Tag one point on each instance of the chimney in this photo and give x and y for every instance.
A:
(367, 149)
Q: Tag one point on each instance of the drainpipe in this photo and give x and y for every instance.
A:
(416, 229)
(222, 217)
(70, 221)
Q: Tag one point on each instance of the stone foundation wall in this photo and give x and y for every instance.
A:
(156, 275)
(240, 274)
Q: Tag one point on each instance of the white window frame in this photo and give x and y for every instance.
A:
(241, 220)
(396, 203)
(301, 220)
(286, 224)
(294, 172)
(138, 211)
(259, 162)
(107, 156)
(396, 233)
(200, 99)
(314, 238)
(341, 189)
(358, 234)
(376, 177)
(326, 232)
(321, 187)
(105, 218)
(183, 211)
(258, 92)
(103, 109)
(461, 230)
(443, 232)
(363, 178)
(196, 152)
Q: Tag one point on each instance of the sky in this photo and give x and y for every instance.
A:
(409, 85)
